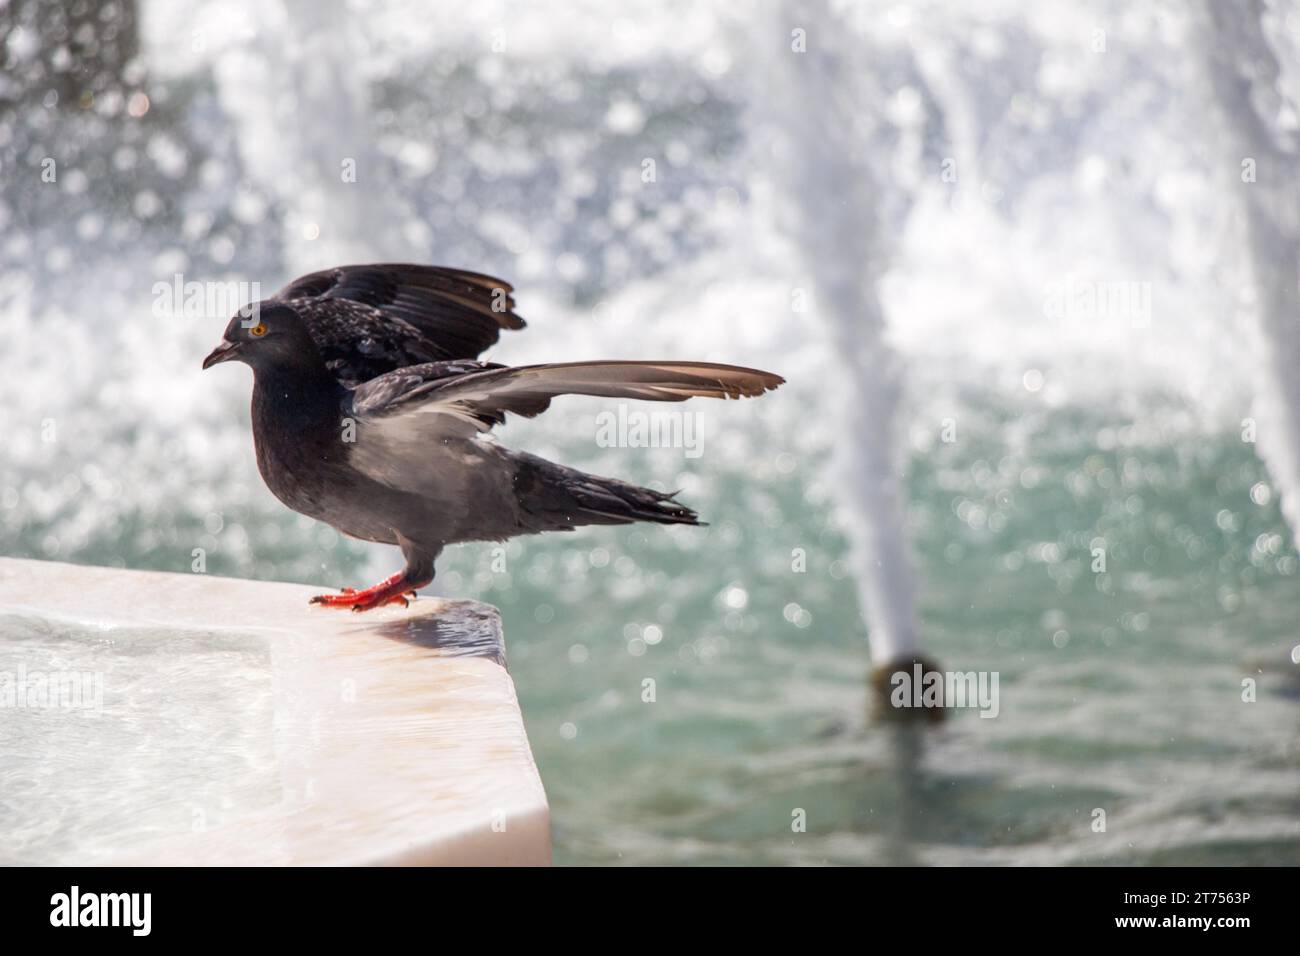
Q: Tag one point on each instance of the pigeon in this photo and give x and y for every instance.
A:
(371, 412)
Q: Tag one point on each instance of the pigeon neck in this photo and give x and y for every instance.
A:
(306, 392)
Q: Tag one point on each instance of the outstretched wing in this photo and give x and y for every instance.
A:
(463, 401)
(407, 413)
(371, 319)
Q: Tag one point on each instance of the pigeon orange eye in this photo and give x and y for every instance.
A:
(258, 330)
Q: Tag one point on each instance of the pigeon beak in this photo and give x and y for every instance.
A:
(222, 353)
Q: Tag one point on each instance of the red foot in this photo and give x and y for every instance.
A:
(390, 591)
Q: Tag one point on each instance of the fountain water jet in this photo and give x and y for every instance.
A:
(822, 137)
(1244, 78)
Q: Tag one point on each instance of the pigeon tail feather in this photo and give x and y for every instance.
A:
(556, 498)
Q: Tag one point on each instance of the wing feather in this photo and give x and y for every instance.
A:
(481, 397)
(367, 320)
(404, 415)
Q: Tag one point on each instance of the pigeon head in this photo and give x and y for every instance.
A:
(269, 336)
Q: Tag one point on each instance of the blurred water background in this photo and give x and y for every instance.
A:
(206, 140)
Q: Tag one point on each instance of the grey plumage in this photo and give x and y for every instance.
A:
(369, 413)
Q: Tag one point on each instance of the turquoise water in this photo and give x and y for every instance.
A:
(1119, 691)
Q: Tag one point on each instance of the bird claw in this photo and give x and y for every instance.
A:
(333, 600)
(380, 602)
(387, 592)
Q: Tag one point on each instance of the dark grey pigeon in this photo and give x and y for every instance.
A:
(370, 413)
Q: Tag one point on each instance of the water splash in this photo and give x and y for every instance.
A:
(312, 143)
